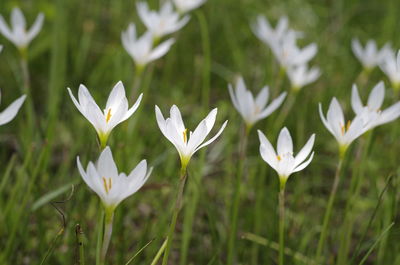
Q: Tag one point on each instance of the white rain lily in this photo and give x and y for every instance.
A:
(283, 161)
(289, 54)
(390, 65)
(113, 187)
(11, 111)
(344, 132)
(141, 49)
(116, 110)
(372, 113)
(266, 33)
(161, 23)
(185, 6)
(370, 56)
(301, 76)
(17, 33)
(187, 142)
(253, 109)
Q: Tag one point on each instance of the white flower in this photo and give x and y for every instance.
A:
(344, 132)
(301, 76)
(371, 113)
(11, 111)
(185, 6)
(116, 110)
(253, 109)
(390, 65)
(112, 187)
(187, 142)
(283, 161)
(18, 34)
(289, 54)
(141, 50)
(161, 23)
(369, 56)
(263, 30)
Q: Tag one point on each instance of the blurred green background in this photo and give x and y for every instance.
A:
(80, 43)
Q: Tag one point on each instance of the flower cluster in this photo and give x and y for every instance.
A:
(282, 40)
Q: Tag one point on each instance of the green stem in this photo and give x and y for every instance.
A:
(159, 253)
(281, 224)
(100, 225)
(79, 240)
(136, 82)
(236, 197)
(108, 223)
(178, 204)
(355, 186)
(328, 211)
(287, 107)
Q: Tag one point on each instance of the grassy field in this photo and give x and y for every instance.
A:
(43, 197)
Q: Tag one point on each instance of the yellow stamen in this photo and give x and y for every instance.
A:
(348, 125)
(279, 157)
(345, 128)
(105, 184)
(185, 136)
(108, 117)
(109, 183)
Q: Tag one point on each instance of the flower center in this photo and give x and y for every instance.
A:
(107, 184)
(185, 136)
(279, 157)
(108, 116)
(344, 129)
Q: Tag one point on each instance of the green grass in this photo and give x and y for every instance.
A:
(80, 43)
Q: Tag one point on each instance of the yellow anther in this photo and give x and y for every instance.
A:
(279, 157)
(109, 183)
(105, 184)
(348, 125)
(185, 136)
(108, 117)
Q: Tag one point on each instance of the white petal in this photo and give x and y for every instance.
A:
(285, 143)
(116, 95)
(11, 111)
(356, 103)
(161, 49)
(305, 164)
(262, 97)
(267, 152)
(213, 138)
(276, 103)
(305, 151)
(106, 166)
(376, 96)
(134, 107)
(36, 27)
(17, 19)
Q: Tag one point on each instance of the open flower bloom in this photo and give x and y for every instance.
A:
(161, 23)
(283, 161)
(289, 54)
(116, 110)
(301, 76)
(141, 49)
(11, 111)
(266, 33)
(344, 132)
(17, 33)
(390, 65)
(187, 142)
(371, 113)
(369, 56)
(185, 6)
(112, 187)
(253, 109)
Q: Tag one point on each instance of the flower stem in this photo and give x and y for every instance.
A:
(281, 224)
(236, 197)
(178, 204)
(328, 211)
(79, 241)
(159, 253)
(136, 82)
(108, 223)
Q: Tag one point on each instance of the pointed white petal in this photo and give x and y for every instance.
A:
(11, 111)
